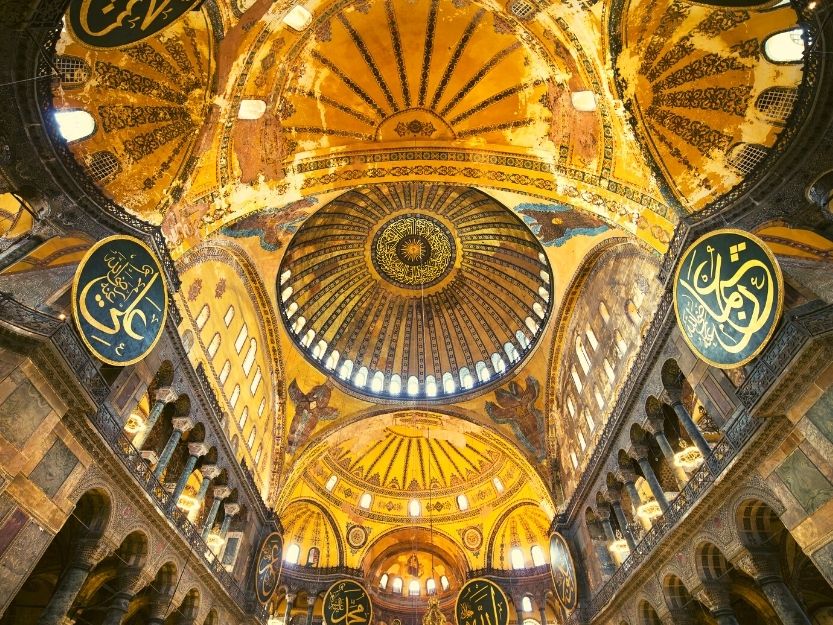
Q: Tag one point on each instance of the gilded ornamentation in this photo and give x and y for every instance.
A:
(413, 251)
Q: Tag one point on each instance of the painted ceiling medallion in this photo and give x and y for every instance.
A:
(413, 251)
(415, 290)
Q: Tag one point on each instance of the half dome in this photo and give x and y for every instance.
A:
(415, 290)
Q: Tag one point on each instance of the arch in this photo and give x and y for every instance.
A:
(75, 124)
(710, 562)
(785, 47)
(528, 513)
(648, 614)
(211, 618)
(757, 523)
(776, 103)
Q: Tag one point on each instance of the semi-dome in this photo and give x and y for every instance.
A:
(415, 290)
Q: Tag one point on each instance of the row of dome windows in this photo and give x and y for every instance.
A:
(414, 506)
(413, 589)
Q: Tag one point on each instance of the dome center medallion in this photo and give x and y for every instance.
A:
(413, 251)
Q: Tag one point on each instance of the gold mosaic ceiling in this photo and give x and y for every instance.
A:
(415, 290)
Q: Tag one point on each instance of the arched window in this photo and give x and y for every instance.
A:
(517, 558)
(377, 382)
(228, 316)
(235, 395)
(361, 377)
(591, 337)
(414, 509)
(431, 586)
(262, 407)
(583, 359)
(498, 363)
(582, 443)
(526, 605)
(383, 583)
(251, 109)
(462, 503)
(102, 165)
(298, 18)
(498, 485)
(598, 395)
(444, 582)
(251, 440)
(589, 419)
(293, 553)
(537, 556)
(225, 371)
(785, 47)
(74, 125)
(313, 556)
(365, 500)
(413, 588)
(397, 584)
(482, 371)
(621, 345)
(776, 103)
(395, 386)
(571, 406)
(332, 360)
(466, 379)
(255, 381)
(346, 369)
(241, 338)
(73, 71)
(235, 443)
(609, 370)
(605, 315)
(413, 385)
(448, 383)
(244, 416)
(745, 157)
(214, 345)
(538, 310)
(258, 455)
(249, 360)
(331, 483)
(633, 313)
(430, 386)
(576, 379)
(202, 318)
(574, 459)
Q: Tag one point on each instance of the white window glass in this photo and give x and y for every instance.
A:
(574, 459)
(251, 109)
(604, 313)
(581, 441)
(293, 553)
(462, 503)
(235, 395)
(785, 47)
(256, 381)
(413, 588)
(383, 583)
(377, 382)
(591, 337)
(621, 345)
(414, 508)
(517, 558)
(583, 359)
(241, 338)
(202, 318)
(444, 582)
(598, 395)
(589, 419)
(214, 345)
(228, 316)
(331, 483)
(498, 485)
(249, 360)
(571, 406)
(430, 386)
(609, 370)
(526, 605)
(251, 440)
(431, 586)
(244, 416)
(258, 454)
(576, 379)
(395, 386)
(75, 125)
(413, 386)
(262, 407)
(225, 371)
(397, 584)
(537, 556)
(633, 313)
(364, 501)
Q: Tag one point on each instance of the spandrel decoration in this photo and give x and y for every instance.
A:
(268, 564)
(117, 23)
(563, 572)
(481, 602)
(728, 296)
(119, 300)
(347, 603)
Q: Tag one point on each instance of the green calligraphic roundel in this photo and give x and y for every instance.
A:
(728, 296)
(347, 603)
(481, 602)
(268, 564)
(563, 572)
(119, 300)
(117, 23)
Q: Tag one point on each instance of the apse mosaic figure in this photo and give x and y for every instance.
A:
(728, 294)
(268, 570)
(481, 602)
(347, 603)
(119, 300)
(563, 571)
(117, 23)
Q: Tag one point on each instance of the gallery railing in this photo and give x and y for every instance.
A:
(32, 322)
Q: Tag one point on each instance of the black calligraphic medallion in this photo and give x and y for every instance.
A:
(563, 571)
(347, 603)
(481, 602)
(117, 23)
(268, 564)
(119, 300)
(728, 296)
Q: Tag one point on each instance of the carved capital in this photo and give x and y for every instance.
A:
(761, 564)
(231, 508)
(150, 456)
(45, 229)
(626, 476)
(197, 449)
(614, 494)
(183, 424)
(714, 594)
(638, 451)
(654, 426)
(89, 552)
(166, 394)
(603, 512)
(221, 492)
(210, 471)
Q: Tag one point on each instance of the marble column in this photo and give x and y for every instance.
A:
(605, 560)
(615, 498)
(290, 603)
(87, 553)
(542, 611)
(763, 566)
(130, 581)
(640, 454)
(181, 425)
(209, 472)
(310, 609)
(220, 493)
(163, 397)
(195, 452)
(656, 430)
(714, 594)
(160, 602)
(230, 509)
(675, 398)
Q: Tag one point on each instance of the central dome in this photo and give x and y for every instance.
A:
(414, 290)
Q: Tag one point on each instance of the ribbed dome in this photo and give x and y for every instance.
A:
(415, 290)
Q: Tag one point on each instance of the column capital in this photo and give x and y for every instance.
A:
(654, 425)
(760, 564)
(603, 512)
(210, 471)
(613, 494)
(231, 508)
(90, 551)
(166, 395)
(638, 451)
(290, 597)
(714, 594)
(197, 449)
(626, 476)
(183, 424)
(221, 492)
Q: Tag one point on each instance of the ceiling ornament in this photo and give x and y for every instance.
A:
(415, 290)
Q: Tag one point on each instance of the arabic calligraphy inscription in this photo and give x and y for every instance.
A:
(563, 571)
(728, 295)
(268, 567)
(347, 603)
(481, 602)
(119, 300)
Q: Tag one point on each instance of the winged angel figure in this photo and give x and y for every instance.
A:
(516, 407)
(309, 408)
